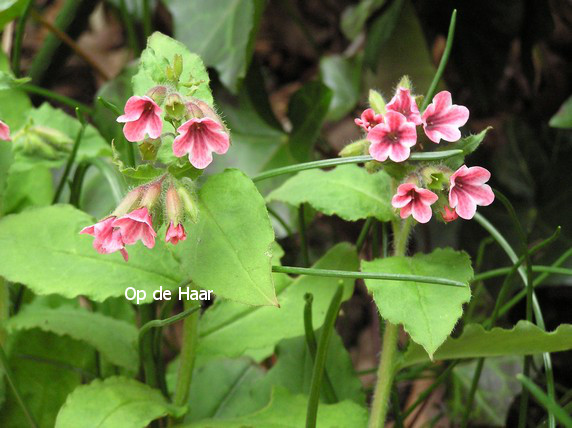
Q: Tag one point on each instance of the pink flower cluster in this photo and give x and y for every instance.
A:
(467, 190)
(198, 136)
(122, 228)
(393, 134)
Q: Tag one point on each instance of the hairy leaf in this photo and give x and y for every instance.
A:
(428, 312)
(347, 191)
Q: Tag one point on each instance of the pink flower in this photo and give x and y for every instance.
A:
(107, 239)
(199, 137)
(369, 119)
(4, 131)
(449, 214)
(175, 233)
(142, 116)
(413, 200)
(136, 225)
(468, 189)
(392, 139)
(442, 119)
(404, 103)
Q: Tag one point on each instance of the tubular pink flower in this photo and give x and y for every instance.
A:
(136, 225)
(107, 239)
(413, 200)
(468, 189)
(368, 119)
(175, 233)
(442, 118)
(392, 139)
(448, 214)
(199, 137)
(4, 132)
(142, 116)
(404, 103)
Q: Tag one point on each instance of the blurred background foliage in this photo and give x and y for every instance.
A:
(289, 77)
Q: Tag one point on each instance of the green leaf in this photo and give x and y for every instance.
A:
(92, 144)
(347, 191)
(25, 189)
(563, 117)
(7, 81)
(496, 391)
(289, 411)
(116, 340)
(14, 103)
(10, 10)
(42, 248)
(155, 59)
(380, 32)
(225, 388)
(222, 32)
(355, 17)
(114, 402)
(343, 77)
(293, 370)
(307, 110)
(523, 339)
(261, 328)
(428, 312)
(228, 249)
(46, 368)
(468, 145)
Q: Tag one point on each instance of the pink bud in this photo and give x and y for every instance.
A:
(449, 214)
(4, 132)
(173, 205)
(151, 194)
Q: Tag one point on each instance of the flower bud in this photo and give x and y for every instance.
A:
(173, 205)
(174, 106)
(376, 102)
(448, 214)
(152, 191)
(42, 142)
(157, 94)
(177, 66)
(194, 111)
(190, 204)
(357, 148)
(209, 112)
(129, 202)
(405, 83)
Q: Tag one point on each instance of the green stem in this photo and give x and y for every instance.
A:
(535, 268)
(312, 345)
(324, 163)
(442, 63)
(147, 315)
(388, 362)
(17, 52)
(4, 307)
(187, 356)
(332, 273)
(147, 23)
(129, 27)
(303, 238)
(548, 402)
(71, 159)
(10, 378)
(77, 183)
(385, 374)
(280, 220)
(320, 361)
(46, 93)
(363, 233)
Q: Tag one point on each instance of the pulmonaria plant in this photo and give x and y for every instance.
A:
(399, 128)
(198, 132)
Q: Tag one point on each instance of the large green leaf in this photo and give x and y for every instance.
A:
(347, 191)
(10, 9)
(24, 189)
(289, 411)
(523, 339)
(42, 248)
(263, 327)
(115, 339)
(307, 111)
(115, 402)
(497, 388)
(563, 117)
(46, 369)
(158, 55)
(228, 249)
(343, 77)
(428, 312)
(222, 32)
